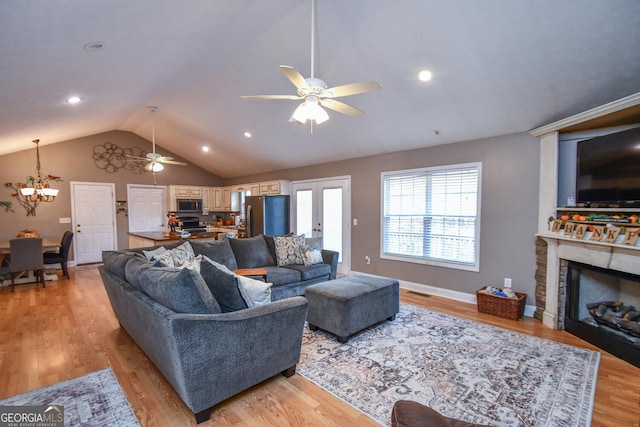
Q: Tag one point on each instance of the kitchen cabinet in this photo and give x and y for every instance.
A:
(230, 199)
(188, 192)
(207, 199)
(217, 199)
(255, 189)
(274, 188)
(226, 198)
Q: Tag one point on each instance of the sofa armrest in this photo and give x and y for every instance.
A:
(224, 354)
(331, 258)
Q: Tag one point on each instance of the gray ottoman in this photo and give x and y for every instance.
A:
(352, 303)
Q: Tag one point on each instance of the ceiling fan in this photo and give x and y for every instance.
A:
(315, 93)
(156, 161)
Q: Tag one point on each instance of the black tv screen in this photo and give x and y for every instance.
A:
(608, 169)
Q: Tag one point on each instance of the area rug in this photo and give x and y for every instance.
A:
(95, 399)
(461, 368)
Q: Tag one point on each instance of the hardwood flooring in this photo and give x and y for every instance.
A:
(68, 329)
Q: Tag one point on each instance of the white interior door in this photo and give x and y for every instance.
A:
(93, 215)
(322, 208)
(147, 207)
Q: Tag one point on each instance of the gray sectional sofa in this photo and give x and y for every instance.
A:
(194, 324)
(288, 280)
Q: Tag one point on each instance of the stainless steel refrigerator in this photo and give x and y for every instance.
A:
(267, 215)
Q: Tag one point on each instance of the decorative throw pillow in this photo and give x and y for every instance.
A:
(181, 290)
(136, 265)
(254, 292)
(311, 254)
(223, 285)
(219, 250)
(288, 249)
(157, 251)
(177, 256)
(165, 258)
(251, 252)
(182, 254)
(193, 264)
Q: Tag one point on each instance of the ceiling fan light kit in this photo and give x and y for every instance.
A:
(155, 160)
(310, 109)
(315, 93)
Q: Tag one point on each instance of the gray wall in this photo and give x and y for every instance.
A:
(508, 217)
(73, 161)
(509, 200)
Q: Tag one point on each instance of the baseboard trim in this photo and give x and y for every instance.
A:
(447, 293)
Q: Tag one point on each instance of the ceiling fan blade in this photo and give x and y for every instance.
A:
(296, 78)
(129, 156)
(172, 162)
(350, 89)
(271, 97)
(341, 107)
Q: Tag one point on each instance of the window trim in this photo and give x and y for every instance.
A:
(426, 261)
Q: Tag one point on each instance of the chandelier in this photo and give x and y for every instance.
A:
(39, 190)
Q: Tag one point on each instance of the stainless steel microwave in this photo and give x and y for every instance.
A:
(189, 205)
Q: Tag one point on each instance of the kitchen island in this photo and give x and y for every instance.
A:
(141, 239)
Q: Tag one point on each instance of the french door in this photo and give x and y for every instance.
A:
(322, 208)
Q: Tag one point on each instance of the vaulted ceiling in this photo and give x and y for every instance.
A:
(498, 66)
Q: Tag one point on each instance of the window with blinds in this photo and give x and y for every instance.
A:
(431, 215)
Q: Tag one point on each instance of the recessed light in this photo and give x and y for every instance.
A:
(424, 75)
(74, 99)
(247, 134)
(93, 46)
(205, 148)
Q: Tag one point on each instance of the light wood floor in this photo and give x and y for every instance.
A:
(68, 329)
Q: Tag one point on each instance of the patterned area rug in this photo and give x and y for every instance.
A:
(461, 368)
(95, 399)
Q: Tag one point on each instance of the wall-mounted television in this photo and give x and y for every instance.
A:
(608, 169)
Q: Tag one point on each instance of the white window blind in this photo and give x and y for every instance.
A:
(430, 215)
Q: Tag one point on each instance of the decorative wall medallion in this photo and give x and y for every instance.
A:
(111, 158)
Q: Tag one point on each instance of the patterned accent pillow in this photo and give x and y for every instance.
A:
(193, 264)
(165, 258)
(312, 254)
(157, 251)
(182, 254)
(177, 256)
(288, 250)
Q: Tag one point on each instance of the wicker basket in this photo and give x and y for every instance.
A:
(509, 308)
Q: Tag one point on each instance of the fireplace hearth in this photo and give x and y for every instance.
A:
(602, 307)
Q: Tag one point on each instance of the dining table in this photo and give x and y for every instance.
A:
(48, 245)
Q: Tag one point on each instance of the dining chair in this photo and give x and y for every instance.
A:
(26, 255)
(61, 256)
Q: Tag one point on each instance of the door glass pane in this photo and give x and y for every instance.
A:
(332, 219)
(304, 209)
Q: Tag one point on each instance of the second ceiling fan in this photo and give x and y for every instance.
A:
(156, 161)
(315, 93)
